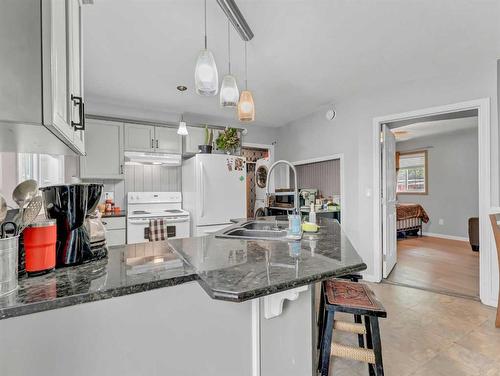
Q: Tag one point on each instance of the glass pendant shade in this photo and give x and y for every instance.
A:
(246, 107)
(229, 93)
(205, 75)
(182, 130)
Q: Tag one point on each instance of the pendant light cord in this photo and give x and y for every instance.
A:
(205, 24)
(229, 46)
(246, 68)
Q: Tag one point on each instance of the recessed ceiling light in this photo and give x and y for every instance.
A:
(182, 88)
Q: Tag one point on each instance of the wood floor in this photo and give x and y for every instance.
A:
(428, 334)
(438, 265)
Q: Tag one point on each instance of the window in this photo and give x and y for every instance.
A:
(46, 169)
(412, 173)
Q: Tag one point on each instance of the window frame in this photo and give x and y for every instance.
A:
(426, 173)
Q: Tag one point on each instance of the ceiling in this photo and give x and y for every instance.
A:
(433, 128)
(305, 54)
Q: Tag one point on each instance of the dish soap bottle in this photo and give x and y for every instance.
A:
(312, 215)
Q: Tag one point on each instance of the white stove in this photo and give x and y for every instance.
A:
(144, 206)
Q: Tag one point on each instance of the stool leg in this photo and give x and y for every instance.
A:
(361, 341)
(327, 343)
(377, 346)
(369, 344)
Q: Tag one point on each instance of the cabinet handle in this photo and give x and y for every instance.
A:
(152, 143)
(78, 101)
(157, 143)
(121, 169)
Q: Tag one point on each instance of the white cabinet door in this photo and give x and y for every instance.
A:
(59, 63)
(195, 137)
(167, 140)
(104, 144)
(76, 74)
(139, 137)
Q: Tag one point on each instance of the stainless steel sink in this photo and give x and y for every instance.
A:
(260, 230)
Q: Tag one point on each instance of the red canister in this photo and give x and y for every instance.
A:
(40, 245)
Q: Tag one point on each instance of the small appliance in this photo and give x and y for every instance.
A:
(144, 206)
(308, 197)
(214, 191)
(40, 247)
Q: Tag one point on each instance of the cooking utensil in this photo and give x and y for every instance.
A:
(30, 213)
(24, 192)
(3, 208)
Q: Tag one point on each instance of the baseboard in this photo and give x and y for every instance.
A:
(443, 236)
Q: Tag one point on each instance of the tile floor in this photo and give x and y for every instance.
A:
(429, 334)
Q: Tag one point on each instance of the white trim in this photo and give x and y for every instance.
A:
(269, 147)
(444, 236)
(256, 344)
(339, 156)
(485, 187)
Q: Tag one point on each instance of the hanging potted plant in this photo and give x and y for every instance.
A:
(228, 140)
(209, 139)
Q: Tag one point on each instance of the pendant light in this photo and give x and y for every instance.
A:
(246, 106)
(229, 93)
(206, 77)
(182, 130)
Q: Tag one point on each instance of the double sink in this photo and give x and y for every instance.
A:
(258, 230)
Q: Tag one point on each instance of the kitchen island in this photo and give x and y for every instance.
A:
(254, 314)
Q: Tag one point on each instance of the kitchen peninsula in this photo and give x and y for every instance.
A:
(254, 317)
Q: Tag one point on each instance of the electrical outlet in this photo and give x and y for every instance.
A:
(441, 221)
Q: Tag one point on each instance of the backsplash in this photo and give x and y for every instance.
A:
(143, 178)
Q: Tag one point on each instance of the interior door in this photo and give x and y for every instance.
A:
(221, 188)
(389, 236)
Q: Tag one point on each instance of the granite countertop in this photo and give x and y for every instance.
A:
(227, 269)
(122, 213)
(238, 270)
(118, 274)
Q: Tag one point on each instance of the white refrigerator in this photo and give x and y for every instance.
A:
(213, 191)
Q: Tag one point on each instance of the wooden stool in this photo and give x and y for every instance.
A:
(358, 300)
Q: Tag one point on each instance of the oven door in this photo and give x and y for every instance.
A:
(138, 228)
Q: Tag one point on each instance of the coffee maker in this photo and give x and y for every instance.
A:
(69, 205)
(308, 197)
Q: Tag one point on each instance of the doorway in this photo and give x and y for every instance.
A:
(382, 247)
(436, 186)
(258, 159)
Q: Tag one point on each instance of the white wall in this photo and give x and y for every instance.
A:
(351, 133)
(452, 173)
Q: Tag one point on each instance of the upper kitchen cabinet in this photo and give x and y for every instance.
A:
(139, 137)
(149, 138)
(167, 140)
(40, 56)
(104, 159)
(195, 137)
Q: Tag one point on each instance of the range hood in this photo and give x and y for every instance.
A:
(143, 158)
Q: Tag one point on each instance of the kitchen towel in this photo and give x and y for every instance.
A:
(157, 230)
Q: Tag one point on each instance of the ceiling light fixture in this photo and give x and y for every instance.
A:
(234, 15)
(182, 88)
(182, 130)
(246, 106)
(206, 77)
(229, 93)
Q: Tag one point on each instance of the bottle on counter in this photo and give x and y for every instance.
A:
(312, 214)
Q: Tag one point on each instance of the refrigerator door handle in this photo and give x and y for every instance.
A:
(202, 189)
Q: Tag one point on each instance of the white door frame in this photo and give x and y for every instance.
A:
(486, 256)
(339, 156)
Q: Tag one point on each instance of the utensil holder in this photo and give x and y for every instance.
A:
(8, 265)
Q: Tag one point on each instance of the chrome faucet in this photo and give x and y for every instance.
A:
(296, 188)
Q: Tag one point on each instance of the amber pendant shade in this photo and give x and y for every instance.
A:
(246, 107)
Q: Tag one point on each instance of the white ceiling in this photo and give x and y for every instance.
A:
(433, 128)
(305, 54)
